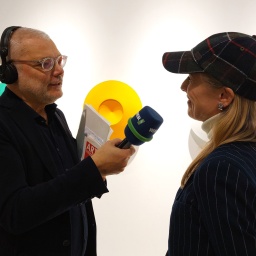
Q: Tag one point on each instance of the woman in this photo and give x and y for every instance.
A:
(214, 212)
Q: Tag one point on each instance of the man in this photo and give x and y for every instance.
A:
(46, 191)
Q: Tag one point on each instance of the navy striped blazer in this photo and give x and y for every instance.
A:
(215, 213)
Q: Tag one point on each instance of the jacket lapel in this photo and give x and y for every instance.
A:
(71, 142)
(17, 112)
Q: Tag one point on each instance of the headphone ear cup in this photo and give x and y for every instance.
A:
(8, 74)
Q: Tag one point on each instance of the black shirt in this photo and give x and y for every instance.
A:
(54, 137)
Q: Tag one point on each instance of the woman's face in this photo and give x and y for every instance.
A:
(203, 98)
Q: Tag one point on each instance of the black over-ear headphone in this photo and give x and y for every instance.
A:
(8, 72)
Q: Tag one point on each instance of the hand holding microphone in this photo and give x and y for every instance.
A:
(141, 127)
(111, 160)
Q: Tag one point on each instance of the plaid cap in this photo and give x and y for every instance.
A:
(229, 57)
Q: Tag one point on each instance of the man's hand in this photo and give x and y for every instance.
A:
(110, 159)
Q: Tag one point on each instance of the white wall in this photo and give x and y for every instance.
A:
(124, 40)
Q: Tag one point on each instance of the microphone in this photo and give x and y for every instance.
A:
(141, 127)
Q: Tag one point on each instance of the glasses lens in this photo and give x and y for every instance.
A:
(61, 60)
(47, 64)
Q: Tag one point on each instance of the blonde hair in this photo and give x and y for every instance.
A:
(235, 123)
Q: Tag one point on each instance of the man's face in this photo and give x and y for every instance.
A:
(36, 86)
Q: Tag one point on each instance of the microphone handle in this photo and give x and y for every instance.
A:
(124, 144)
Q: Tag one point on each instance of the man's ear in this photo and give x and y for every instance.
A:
(226, 97)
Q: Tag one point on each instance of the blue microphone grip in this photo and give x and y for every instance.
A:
(141, 127)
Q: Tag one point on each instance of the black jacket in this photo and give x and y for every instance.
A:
(36, 204)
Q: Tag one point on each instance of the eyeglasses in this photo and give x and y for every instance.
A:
(48, 63)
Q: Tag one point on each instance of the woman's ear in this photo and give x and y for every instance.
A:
(226, 97)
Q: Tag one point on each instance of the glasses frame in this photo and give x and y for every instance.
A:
(42, 61)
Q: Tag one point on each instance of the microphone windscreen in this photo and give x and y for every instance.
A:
(143, 126)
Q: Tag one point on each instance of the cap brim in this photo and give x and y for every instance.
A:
(180, 62)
